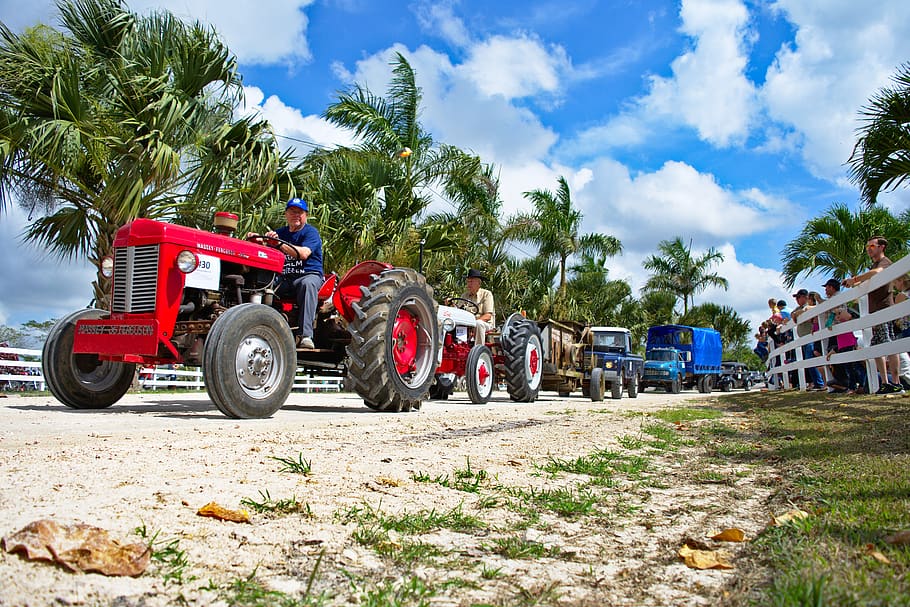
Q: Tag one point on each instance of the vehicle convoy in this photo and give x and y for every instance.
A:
(679, 357)
(186, 296)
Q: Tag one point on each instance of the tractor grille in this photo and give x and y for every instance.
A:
(135, 279)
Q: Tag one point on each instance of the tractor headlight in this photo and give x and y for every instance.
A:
(107, 266)
(608, 364)
(187, 261)
(448, 324)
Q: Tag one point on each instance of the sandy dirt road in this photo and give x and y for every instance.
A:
(155, 458)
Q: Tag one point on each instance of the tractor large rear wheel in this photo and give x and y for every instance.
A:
(82, 381)
(393, 341)
(249, 361)
(523, 353)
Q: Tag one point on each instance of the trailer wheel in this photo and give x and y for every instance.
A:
(82, 381)
(633, 386)
(479, 374)
(249, 361)
(393, 341)
(597, 386)
(523, 352)
(616, 387)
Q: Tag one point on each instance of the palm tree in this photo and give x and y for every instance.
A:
(734, 330)
(599, 299)
(881, 157)
(676, 271)
(834, 242)
(403, 160)
(554, 226)
(473, 231)
(123, 116)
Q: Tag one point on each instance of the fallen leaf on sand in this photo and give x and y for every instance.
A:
(732, 534)
(388, 482)
(788, 516)
(78, 547)
(900, 538)
(213, 510)
(703, 559)
(878, 556)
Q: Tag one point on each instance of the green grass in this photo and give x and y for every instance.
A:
(167, 553)
(423, 521)
(844, 460)
(566, 502)
(516, 547)
(298, 466)
(250, 592)
(687, 414)
(266, 504)
(467, 479)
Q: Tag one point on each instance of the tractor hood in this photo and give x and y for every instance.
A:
(459, 316)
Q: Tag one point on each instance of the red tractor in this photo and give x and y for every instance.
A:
(181, 295)
(512, 355)
(186, 296)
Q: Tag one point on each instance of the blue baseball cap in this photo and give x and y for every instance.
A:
(297, 203)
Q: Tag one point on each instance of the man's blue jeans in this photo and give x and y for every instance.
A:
(812, 373)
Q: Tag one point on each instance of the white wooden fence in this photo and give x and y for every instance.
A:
(21, 369)
(864, 353)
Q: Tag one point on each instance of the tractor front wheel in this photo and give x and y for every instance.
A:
(393, 341)
(82, 381)
(249, 361)
(480, 374)
(523, 352)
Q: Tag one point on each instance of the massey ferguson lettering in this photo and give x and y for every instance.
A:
(115, 330)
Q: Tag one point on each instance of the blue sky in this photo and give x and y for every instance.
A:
(725, 122)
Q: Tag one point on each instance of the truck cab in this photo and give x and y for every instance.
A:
(610, 362)
(664, 367)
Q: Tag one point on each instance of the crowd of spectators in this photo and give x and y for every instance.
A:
(850, 377)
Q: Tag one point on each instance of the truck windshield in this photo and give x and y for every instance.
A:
(662, 355)
(609, 340)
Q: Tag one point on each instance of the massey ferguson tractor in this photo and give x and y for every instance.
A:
(186, 296)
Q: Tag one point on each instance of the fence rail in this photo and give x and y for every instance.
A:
(792, 351)
(20, 369)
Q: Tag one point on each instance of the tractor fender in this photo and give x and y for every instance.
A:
(349, 288)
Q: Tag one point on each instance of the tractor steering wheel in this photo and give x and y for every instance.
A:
(271, 241)
(465, 304)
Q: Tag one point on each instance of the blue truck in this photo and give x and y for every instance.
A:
(609, 363)
(678, 356)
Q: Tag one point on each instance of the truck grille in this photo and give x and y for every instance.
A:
(135, 279)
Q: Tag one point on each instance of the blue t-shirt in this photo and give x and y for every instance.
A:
(308, 237)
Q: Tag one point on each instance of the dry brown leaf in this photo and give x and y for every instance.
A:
(900, 538)
(733, 534)
(788, 516)
(703, 559)
(213, 510)
(78, 547)
(388, 482)
(878, 556)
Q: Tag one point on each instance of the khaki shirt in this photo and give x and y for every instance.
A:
(484, 301)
